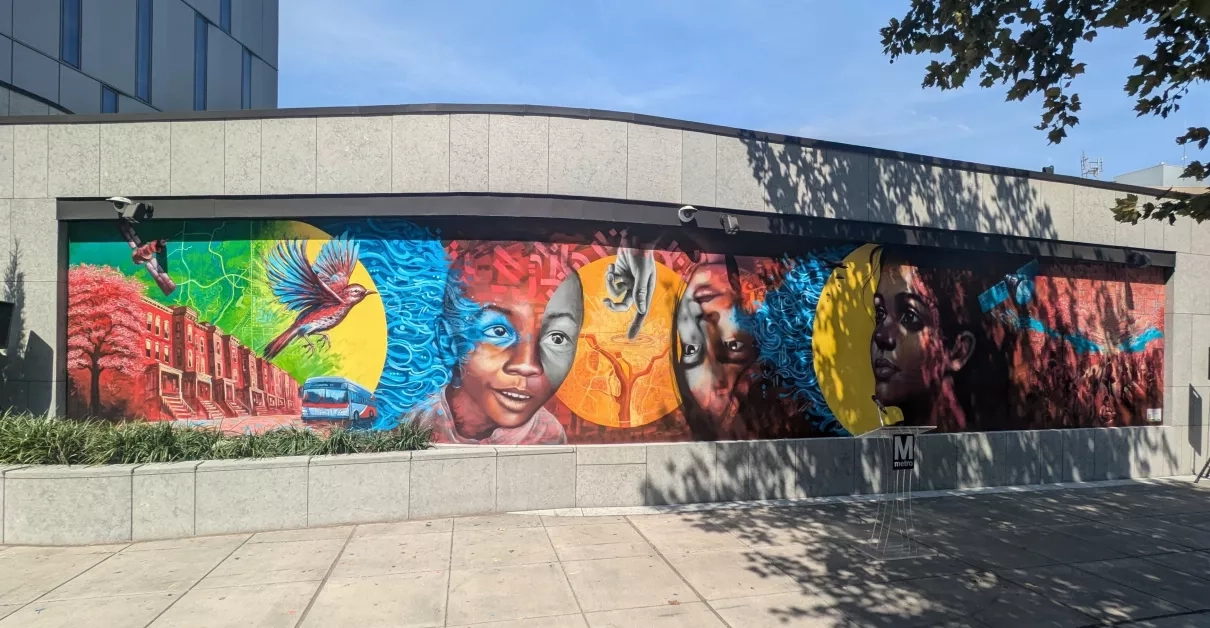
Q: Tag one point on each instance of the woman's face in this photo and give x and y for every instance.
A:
(907, 352)
(525, 350)
(714, 350)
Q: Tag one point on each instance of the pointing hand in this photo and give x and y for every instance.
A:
(631, 281)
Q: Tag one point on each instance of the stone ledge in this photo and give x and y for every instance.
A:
(82, 504)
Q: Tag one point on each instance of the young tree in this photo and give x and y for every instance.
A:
(1029, 46)
(103, 326)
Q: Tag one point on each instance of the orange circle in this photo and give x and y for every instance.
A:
(612, 370)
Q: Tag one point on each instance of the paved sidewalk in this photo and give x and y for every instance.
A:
(1134, 553)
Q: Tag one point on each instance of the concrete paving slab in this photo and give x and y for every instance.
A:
(681, 535)
(1193, 620)
(982, 551)
(1195, 520)
(1121, 540)
(401, 528)
(28, 573)
(1190, 537)
(497, 522)
(509, 593)
(797, 608)
(1154, 579)
(1055, 545)
(696, 615)
(265, 606)
(617, 583)
(229, 541)
(732, 573)
(1196, 564)
(558, 522)
(412, 600)
(380, 555)
(110, 612)
(602, 540)
(8, 609)
(593, 534)
(558, 621)
(994, 601)
(158, 571)
(269, 563)
(1094, 596)
(493, 547)
(891, 605)
(826, 565)
(308, 534)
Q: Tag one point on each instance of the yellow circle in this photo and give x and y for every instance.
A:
(844, 326)
(617, 381)
(361, 338)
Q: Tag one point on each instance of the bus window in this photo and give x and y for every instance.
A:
(326, 395)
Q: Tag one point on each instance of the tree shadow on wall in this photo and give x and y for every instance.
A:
(28, 366)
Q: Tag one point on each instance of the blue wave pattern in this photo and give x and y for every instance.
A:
(783, 328)
(1020, 288)
(430, 323)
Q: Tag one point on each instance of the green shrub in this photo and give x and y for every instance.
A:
(26, 439)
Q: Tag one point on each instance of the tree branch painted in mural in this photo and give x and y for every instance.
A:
(321, 294)
(625, 382)
(103, 329)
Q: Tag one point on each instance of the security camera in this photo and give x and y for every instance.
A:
(730, 224)
(686, 213)
(138, 210)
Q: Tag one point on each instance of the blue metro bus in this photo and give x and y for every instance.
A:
(336, 399)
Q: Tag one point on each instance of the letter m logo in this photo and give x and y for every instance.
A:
(904, 451)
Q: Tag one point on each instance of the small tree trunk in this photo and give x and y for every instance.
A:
(94, 394)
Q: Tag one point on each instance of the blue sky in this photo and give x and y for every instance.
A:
(813, 68)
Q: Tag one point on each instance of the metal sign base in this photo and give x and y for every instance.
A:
(894, 525)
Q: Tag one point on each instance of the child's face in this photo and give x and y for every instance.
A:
(525, 350)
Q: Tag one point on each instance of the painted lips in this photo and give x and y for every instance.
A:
(884, 369)
(513, 399)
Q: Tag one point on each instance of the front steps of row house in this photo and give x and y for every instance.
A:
(210, 410)
(177, 408)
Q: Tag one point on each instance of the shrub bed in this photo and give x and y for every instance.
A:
(26, 439)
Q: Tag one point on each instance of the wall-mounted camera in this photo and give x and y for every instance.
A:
(730, 224)
(134, 211)
(686, 214)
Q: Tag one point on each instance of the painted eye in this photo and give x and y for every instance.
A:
(496, 331)
(691, 350)
(734, 345)
(558, 338)
(910, 317)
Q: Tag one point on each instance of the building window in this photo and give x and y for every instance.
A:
(143, 54)
(148, 347)
(201, 30)
(167, 355)
(149, 321)
(246, 82)
(189, 359)
(224, 15)
(190, 335)
(109, 100)
(69, 35)
(157, 351)
(157, 325)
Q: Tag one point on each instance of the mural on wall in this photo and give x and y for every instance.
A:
(593, 337)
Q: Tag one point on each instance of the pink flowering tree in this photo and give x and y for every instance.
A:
(103, 326)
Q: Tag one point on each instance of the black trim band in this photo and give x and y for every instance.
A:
(707, 220)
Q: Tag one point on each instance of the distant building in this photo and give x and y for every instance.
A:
(88, 56)
(1162, 176)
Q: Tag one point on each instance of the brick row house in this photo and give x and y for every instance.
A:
(197, 371)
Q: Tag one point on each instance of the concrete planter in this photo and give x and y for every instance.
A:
(53, 505)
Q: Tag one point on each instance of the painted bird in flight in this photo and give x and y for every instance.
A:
(321, 294)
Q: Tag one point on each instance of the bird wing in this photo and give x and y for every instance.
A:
(294, 282)
(336, 261)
